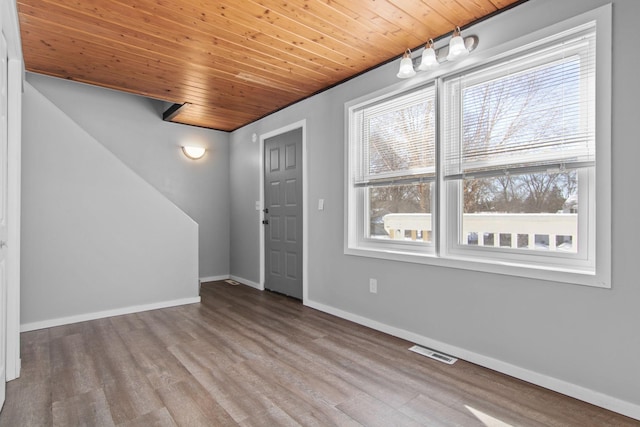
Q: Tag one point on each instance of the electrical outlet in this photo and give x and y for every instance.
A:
(373, 286)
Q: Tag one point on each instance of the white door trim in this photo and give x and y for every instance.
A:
(305, 214)
(14, 122)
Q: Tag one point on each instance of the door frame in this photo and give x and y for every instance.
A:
(15, 82)
(302, 124)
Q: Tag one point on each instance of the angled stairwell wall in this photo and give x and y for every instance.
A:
(97, 239)
(131, 127)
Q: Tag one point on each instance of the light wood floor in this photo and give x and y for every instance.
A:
(250, 358)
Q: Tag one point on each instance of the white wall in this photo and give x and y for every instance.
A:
(580, 340)
(96, 237)
(131, 128)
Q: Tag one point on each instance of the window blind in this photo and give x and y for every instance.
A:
(397, 140)
(526, 114)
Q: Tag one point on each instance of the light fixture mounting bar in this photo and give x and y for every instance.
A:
(173, 111)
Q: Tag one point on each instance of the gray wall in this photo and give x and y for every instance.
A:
(584, 336)
(95, 236)
(131, 128)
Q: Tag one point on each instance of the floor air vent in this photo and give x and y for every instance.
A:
(434, 355)
(232, 282)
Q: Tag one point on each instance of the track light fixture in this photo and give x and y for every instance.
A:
(457, 48)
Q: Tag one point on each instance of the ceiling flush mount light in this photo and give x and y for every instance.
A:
(429, 58)
(457, 48)
(406, 66)
(193, 152)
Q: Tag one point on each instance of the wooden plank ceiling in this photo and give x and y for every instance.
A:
(231, 61)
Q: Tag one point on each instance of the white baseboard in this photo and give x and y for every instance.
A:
(214, 278)
(26, 327)
(596, 398)
(247, 282)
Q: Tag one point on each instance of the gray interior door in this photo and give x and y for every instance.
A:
(283, 213)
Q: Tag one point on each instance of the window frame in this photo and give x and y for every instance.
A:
(357, 219)
(583, 258)
(594, 269)
(582, 261)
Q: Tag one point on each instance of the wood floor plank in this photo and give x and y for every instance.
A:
(158, 418)
(307, 404)
(250, 358)
(28, 403)
(108, 351)
(190, 405)
(73, 371)
(296, 404)
(87, 409)
(371, 412)
(285, 360)
(35, 354)
(200, 356)
(165, 326)
(71, 329)
(236, 396)
(431, 412)
(275, 416)
(131, 396)
(151, 355)
(364, 371)
(127, 322)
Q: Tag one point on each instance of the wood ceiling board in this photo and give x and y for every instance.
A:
(440, 23)
(115, 59)
(251, 100)
(193, 51)
(216, 109)
(387, 35)
(322, 17)
(221, 118)
(307, 37)
(211, 49)
(501, 4)
(164, 30)
(389, 21)
(462, 12)
(255, 26)
(234, 61)
(74, 45)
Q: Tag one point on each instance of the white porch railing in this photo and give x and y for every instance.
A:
(547, 226)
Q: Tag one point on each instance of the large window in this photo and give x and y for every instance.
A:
(519, 155)
(393, 170)
(494, 165)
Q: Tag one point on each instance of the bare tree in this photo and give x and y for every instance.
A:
(401, 140)
(499, 114)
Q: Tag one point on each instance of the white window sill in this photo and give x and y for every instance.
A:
(539, 271)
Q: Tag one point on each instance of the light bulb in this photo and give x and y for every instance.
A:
(429, 59)
(193, 152)
(406, 66)
(457, 48)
